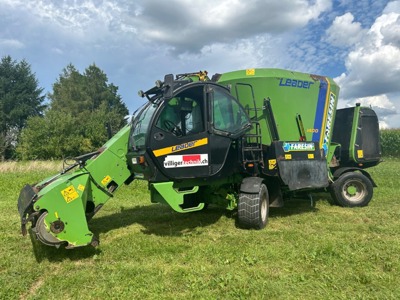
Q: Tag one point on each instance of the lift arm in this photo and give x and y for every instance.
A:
(59, 207)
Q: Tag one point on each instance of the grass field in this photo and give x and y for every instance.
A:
(147, 251)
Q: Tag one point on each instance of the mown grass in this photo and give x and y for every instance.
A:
(148, 251)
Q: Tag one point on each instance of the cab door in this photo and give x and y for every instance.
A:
(193, 132)
(227, 124)
(179, 140)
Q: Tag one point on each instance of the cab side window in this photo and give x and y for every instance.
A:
(228, 115)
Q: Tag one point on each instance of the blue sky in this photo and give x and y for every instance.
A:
(137, 42)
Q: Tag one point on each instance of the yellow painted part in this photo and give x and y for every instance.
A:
(250, 72)
(310, 155)
(271, 164)
(360, 153)
(181, 147)
(288, 156)
(328, 92)
(106, 180)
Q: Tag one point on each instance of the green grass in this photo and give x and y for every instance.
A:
(148, 251)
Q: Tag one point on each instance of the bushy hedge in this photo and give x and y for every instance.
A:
(390, 141)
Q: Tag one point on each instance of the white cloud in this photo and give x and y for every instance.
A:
(384, 108)
(391, 31)
(57, 51)
(393, 6)
(373, 67)
(344, 31)
(381, 104)
(185, 25)
(11, 43)
(190, 26)
(87, 20)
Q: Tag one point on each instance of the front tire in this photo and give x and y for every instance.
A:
(253, 209)
(352, 190)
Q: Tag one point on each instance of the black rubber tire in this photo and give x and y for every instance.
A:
(352, 189)
(253, 209)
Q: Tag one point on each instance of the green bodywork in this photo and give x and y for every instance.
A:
(72, 197)
(290, 94)
(354, 155)
(165, 192)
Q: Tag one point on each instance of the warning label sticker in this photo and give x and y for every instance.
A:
(271, 164)
(250, 72)
(188, 160)
(106, 180)
(69, 194)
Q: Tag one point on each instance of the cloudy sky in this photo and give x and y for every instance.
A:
(138, 42)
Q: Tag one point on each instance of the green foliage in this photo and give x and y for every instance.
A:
(52, 136)
(147, 251)
(390, 141)
(20, 98)
(81, 107)
(77, 93)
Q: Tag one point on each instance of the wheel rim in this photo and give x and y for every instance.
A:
(43, 234)
(264, 209)
(354, 190)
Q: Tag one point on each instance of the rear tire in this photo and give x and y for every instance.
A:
(253, 209)
(352, 190)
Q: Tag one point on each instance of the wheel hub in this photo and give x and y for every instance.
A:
(351, 190)
(43, 233)
(354, 190)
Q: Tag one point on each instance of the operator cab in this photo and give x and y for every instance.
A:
(189, 129)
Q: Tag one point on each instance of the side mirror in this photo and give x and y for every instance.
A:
(168, 84)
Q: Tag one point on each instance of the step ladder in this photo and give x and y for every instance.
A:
(252, 151)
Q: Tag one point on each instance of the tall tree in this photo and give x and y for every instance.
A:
(20, 98)
(78, 93)
(81, 105)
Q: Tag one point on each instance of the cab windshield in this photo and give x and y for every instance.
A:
(140, 124)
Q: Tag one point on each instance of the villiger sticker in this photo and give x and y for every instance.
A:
(180, 147)
(69, 194)
(189, 160)
(298, 146)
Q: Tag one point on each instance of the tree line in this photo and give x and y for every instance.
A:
(69, 121)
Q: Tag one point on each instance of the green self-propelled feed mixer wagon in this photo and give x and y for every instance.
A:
(245, 140)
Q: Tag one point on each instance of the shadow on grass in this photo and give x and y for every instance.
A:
(161, 220)
(295, 206)
(157, 219)
(53, 254)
